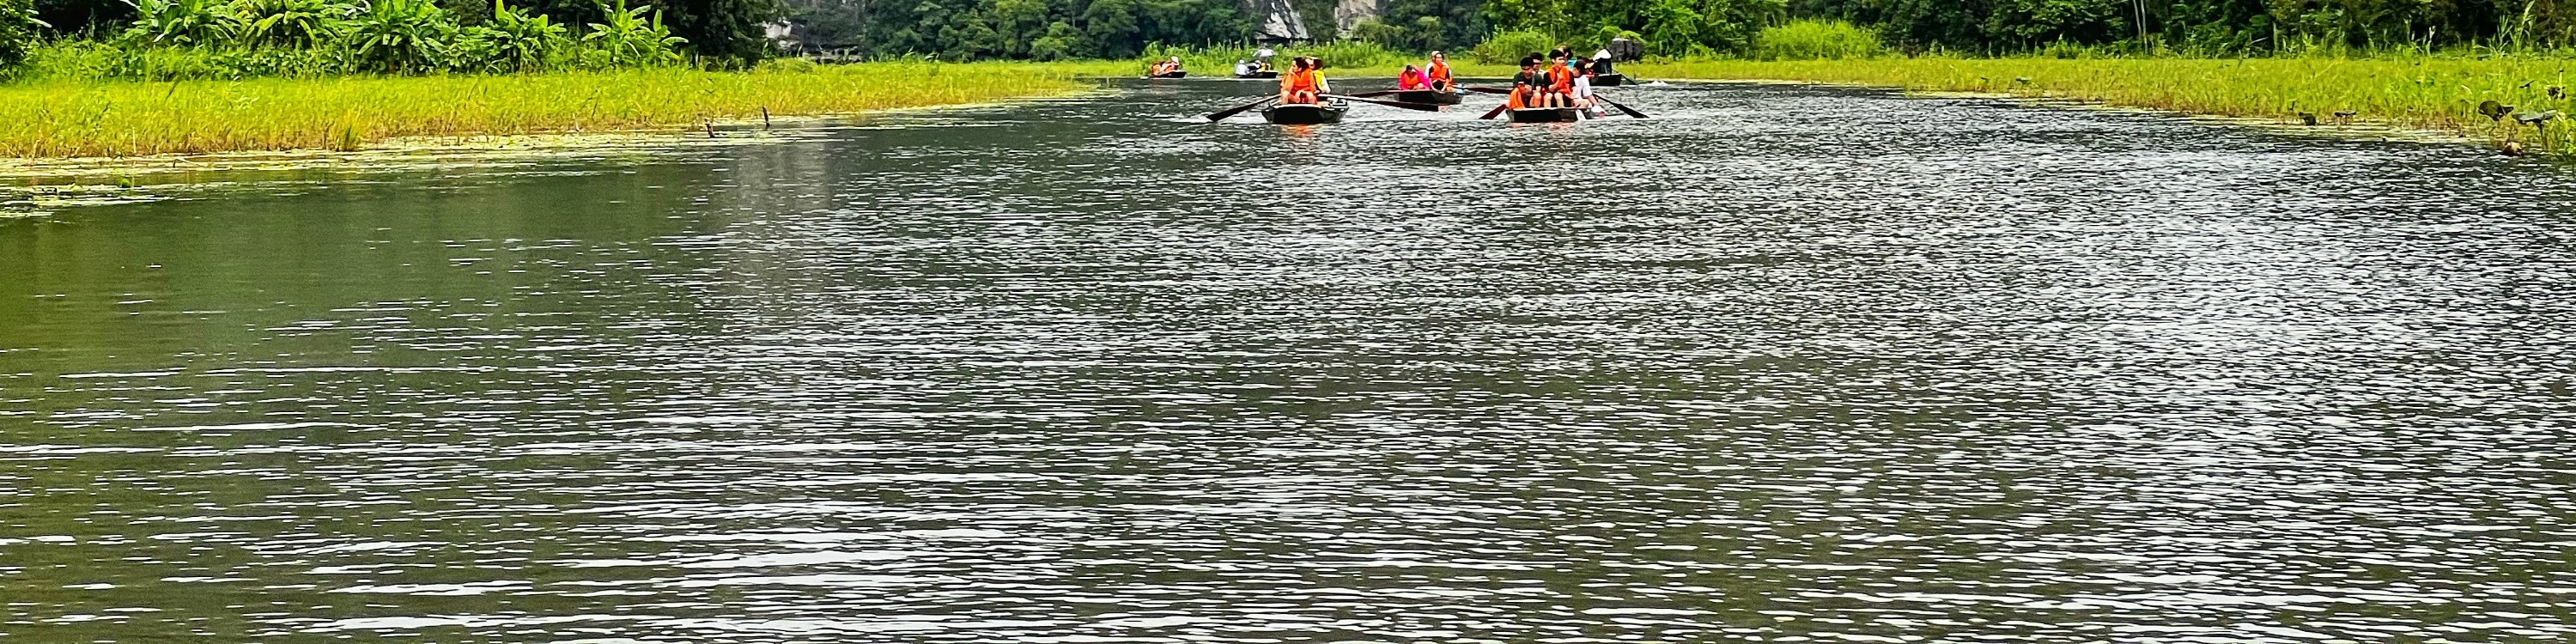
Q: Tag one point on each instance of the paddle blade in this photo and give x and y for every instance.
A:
(1239, 109)
(1632, 112)
(1498, 111)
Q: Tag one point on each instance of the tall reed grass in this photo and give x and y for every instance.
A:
(2419, 92)
(1815, 40)
(69, 119)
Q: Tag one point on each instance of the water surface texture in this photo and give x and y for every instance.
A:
(1782, 364)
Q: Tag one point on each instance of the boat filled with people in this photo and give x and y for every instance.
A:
(1551, 88)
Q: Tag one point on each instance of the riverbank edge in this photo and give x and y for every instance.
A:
(2440, 96)
(110, 121)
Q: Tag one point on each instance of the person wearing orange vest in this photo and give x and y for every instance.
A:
(1525, 85)
(1412, 79)
(1302, 84)
(1560, 84)
(1438, 72)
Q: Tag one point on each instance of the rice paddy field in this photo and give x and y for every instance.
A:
(110, 119)
(2432, 93)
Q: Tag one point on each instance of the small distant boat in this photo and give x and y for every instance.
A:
(1609, 80)
(1304, 114)
(1546, 115)
(1271, 74)
(1428, 97)
(1182, 74)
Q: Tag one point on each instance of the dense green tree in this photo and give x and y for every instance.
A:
(18, 30)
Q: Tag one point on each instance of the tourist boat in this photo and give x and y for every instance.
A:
(1303, 114)
(1546, 115)
(1609, 80)
(1179, 74)
(1266, 74)
(1428, 97)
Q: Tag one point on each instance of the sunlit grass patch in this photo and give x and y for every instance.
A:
(2436, 93)
(72, 119)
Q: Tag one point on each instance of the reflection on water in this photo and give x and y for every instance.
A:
(1789, 363)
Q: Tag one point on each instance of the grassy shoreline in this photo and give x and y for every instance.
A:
(2421, 93)
(125, 118)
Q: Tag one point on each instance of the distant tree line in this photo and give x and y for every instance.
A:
(2207, 26)
(408, 35)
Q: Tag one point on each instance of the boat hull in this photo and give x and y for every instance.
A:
(1427, 97)
(1304, 114)
(1170, 75)
(1609, 80)
(1258, 76)
(1546, 115)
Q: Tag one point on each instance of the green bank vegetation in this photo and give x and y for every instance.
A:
(67, 119)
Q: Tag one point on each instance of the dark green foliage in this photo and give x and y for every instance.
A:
(722, 29)
(18, 27)
(2207, 27)
(1018, 29)
(84, 17)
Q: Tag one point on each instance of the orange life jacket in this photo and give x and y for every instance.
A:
(1439, 72)
(1412, 80)
(1560, 79)
(1298, 81)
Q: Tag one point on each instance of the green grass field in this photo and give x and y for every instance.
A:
(2434, 93)
(125, 118)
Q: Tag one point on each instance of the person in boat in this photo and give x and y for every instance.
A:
(1242, 68)
(1583, 88)
(1525, 85)
(1412, 79)
(1167, 67)
(1560, 83)
(1601, 63)
(1303, 84)
(1438, 73)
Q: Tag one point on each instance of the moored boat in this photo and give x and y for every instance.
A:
(1428, 97)
(1609, 80)
(1546, 115)
(1270, 74)
(1170, 75)
(1304, 114)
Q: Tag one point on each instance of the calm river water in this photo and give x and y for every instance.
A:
(1782, 364)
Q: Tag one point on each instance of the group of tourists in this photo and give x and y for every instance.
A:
(1167, 69)
(1304, 84)
(1557, 80)
(1431, 77)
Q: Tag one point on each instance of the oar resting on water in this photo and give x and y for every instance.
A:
(1239, 109)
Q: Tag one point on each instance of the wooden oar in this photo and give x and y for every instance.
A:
(1230, 112)
(1486, 90)
(1632, 112)
(1418, 107)
(1498, 111)
(1384, 93)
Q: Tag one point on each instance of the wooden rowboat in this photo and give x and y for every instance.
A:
(1546, 115)
(1609, 80)
(1428, 97)
(1304, 114)
(1180, 74)
(1268, 75)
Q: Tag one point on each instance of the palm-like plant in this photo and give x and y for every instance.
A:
(629, 40)
(400, 35)
(289, 23)
(521, 41)
(179, 22)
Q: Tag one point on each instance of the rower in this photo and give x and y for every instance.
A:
(1601, 62)
(1412, 79)
(1438, 72)
(1583, 88)
(1525, 84)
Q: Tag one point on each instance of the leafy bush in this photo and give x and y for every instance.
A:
(1507, 48)
(18, 27)
(1815, 40)
(287, 23)
(180, 23)
(398, 36)
(520, 42)
(628, 39)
